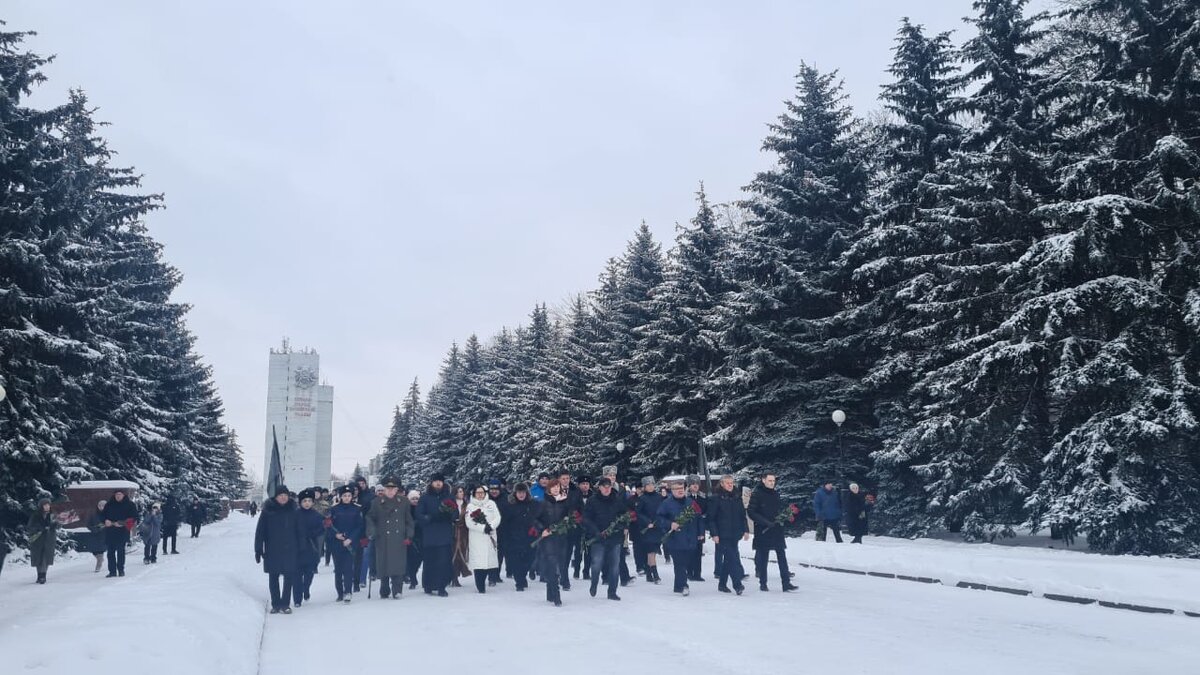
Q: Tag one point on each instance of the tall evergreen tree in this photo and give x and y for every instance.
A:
(784, 376)
(575, 439)
(678, 354)
(400, 439)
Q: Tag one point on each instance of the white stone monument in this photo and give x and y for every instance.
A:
(300, 411)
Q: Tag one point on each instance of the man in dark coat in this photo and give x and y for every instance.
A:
(497, 494)
(517, 516)
(390, 528)
(693, 491)
(344, 528)
(649, 533)
(599, 514)
(119, 516)
(763, 510)
(172, 515)
(827, 505)
(197, 513)
(312, 532)
(437, 521)
(726, 522)
(277, 545)
(581, 556)
(680, 540)
(857, 507)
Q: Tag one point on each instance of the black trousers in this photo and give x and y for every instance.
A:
(343, 569)
(302, 584)
(519, 560)
(694, 567)
(482, 576)
(583, 558)
(413, 561)
(195, 529)
(763, 555)
(639, 555)
(606, 562)
(681, 562)
(393, 585)
(729, 563)
(279, 598)
(438, 568)
(115, 539)
(174, 538)
(551, 564)
(832, 525)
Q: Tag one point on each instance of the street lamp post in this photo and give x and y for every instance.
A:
(839, 417)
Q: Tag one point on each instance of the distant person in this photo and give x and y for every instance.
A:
(555, 508)
(647, 529)
(857, 507)
(437, 520)
(95, 539)
(680, 540)
(538, 489)
(172, 516)
(43, 538)
(827, 505)
(196, 515)
(601, 517)
(253, 508)
(727, 523)
(151, 531)
(763, 510)
(277, 546)
(517, 515)
(119, 516)
(414, 557)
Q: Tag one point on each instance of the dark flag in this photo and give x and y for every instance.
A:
(275, 475)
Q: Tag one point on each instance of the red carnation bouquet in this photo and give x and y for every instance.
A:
(685, 516)
(787, 515)
(615, 526)
(568, 523)
(449, 507)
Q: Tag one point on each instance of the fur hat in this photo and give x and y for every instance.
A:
(609, 470)
(345, 489)
(414, 493)
(647, 480)
(437, 477)
(281, 490)
(693, 479)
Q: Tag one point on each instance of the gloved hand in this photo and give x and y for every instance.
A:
(258, 558)
(487, 529)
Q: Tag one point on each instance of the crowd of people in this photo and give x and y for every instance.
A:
(555, 530)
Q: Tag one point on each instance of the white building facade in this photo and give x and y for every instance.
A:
(300, 412)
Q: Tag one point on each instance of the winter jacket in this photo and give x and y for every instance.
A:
(95, 538)
(764, 508)
(172, 516)
(827, 504)
(856, 513)
(537, 492)
(647, 514)
(482, 546)
(726, 516)
(344, 519)
(122, 516)
(277, 537)
(197, 513)
(389, 526)
(312, 529)
(551, 513)
(599, 513)
(437, 528)
(42, 530)
(151, 528)
(686, 536)
(517, 516)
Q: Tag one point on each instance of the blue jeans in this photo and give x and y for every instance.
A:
(606, 561)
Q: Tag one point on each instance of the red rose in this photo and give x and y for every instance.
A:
(633, 516)
(363, 542)
(450, 503)
(408, 542)
(533, 531)
(794, 508)
(328, 522)
(578, 518)
(696, 508)
(792, 519)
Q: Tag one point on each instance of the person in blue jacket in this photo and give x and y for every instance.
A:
(680, 540)
(827, 505)
(343, 529)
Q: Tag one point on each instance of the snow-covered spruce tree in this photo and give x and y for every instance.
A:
(894, 261)
(980, 416)
(438, 443)
(678, 353)
(530, 396)
(1110, 300)
(399, 442)
(575, 440)
(788, 367)
(624, 305)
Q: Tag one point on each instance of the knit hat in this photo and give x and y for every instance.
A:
(281, 490)
(647, 480)
(493, 483)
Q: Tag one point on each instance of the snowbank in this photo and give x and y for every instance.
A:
(199, 612)
(1139, 580)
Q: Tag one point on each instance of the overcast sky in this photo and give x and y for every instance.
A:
(379, 179)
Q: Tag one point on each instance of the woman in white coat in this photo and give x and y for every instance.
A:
(482, 517)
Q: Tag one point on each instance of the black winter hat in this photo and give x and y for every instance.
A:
(345, 489)
(438, 476)
(282, 490)
(306, 493)
(604, 481)
(521, 487)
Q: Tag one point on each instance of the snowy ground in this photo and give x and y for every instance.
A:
(203, 612)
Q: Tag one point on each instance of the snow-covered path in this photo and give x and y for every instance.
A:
(202, 612)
